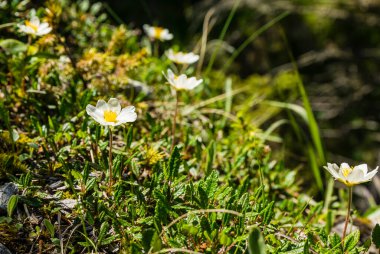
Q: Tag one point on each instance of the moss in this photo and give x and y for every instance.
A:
(10, 236)
(5, 142)
(10, 164)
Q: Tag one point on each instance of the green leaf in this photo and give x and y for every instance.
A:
(15, 135)
(102, 232)
(268, 213)
(351, 240)
(335, 241)
(156, 244)
(376, 236)
(256, 244)
(12, 204)
(76, 175)
(211, 184)
(49, 227)
(129, 137)
(210, 157)
(174, 163)
(306, 247)
(12, 46)
(224, 239)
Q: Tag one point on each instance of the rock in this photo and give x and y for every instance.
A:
(6, 191)
(4, 250)
(67, 203)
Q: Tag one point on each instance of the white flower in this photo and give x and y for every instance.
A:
(182, 82)
(35, 27)
(157, 33)
(111, 113)
(181, 57)
(351, 176)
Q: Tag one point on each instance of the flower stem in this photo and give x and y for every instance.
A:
(348, 213)
(110, 159)
(155, 48)
(174, 121)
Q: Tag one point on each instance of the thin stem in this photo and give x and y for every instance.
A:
(348, 213)
(110, 159)
(174, 121)
(155, 48)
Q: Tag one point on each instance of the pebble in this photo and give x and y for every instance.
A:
(6, 191)
(4, 250)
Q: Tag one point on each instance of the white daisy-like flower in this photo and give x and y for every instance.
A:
(157, 33)
(182, 82)
(35, 27)
(181, 57)
(111, 113)
(351, 176)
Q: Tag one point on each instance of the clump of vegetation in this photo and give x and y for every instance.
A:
(196, 165)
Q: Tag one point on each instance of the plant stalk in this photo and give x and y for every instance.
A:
(110, 159)
(174, 121)
(348, 213)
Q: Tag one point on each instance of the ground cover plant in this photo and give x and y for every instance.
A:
(116, 138)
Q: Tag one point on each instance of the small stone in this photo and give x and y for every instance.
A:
(6, 191)
(4, 250)
(67, 203)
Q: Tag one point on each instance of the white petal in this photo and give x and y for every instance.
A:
(26, 29)
(102, 105)
(334, 166)
(165, 35)
(114, 105)
(356, 176)
(170, 74)
(96, 114)
(362, 167)
(170, 54)
(344, 165)
(43, 25)
(370, 175)
(35, 21)
(44, 31)
(331, 170)
(128, 114)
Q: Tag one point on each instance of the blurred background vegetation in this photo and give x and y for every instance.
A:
(335, 43)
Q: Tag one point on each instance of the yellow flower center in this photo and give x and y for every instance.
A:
(110, 116)
(157, 32)
(346, 171)
(31, 25)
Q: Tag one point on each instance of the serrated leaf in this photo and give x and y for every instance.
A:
(102, 232)
(306, 247)
(211, 184)
(334, 240)
(173, 166)
(203, 197)
(12, 204)
(256, 244)
(107, 240)
(376, 236)
(268, 213)
(351, 240)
